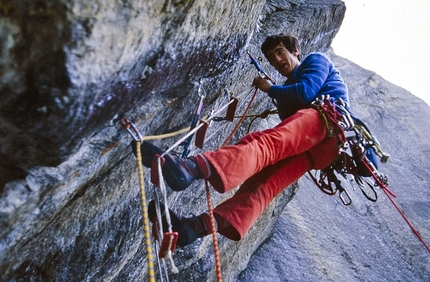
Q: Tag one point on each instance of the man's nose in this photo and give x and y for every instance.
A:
(277, 58)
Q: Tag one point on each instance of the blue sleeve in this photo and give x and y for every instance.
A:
(308, 80)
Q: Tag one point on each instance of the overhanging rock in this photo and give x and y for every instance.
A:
(76, 215)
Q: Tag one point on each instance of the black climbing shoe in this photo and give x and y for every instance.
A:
(178, 173)
(189, 229)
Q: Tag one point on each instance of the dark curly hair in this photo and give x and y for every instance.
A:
(288, 41)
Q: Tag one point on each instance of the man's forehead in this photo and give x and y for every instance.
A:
(276, 48)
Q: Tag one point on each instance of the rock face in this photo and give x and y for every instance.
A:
(70, 207)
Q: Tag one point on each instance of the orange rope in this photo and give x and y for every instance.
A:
(241, 119)
(214, 236)
(208, 195)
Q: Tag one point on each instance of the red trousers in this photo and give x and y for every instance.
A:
(265, 163)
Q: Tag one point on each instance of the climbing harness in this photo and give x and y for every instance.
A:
(353, 163)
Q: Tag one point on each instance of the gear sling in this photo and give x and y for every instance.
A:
(358, 154)
(358, 157)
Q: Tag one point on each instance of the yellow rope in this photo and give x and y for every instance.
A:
(167, 135)
(145, 214)
(187, 129)
(170, 134)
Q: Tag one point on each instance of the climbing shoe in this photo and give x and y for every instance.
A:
(189, 229)
(179, 173)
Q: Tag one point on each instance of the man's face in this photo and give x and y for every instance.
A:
(283, 61)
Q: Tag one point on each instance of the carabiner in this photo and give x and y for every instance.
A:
(131, 128)
(342, 198)
(345, 200)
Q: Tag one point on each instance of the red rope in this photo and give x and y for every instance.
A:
(390, 196)
(241, 119)
(208, 196)
(213, 230)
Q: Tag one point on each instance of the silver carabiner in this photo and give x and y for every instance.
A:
(349, 200)
(131, 128)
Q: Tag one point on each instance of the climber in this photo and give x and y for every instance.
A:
(262, 163)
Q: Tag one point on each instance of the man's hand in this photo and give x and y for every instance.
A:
(262, 84)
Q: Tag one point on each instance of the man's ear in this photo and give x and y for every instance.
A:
(296, 53)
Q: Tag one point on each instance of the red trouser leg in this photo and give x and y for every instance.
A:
(295, 135)
(256, 193)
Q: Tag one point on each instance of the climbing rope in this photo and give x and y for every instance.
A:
(241, 119)
(205, 118)
(390, 196)
(166, 135)
(145, 214)
(208, 196)
(214, 233)
(264, 114)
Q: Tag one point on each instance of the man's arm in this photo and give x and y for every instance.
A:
(311, 75)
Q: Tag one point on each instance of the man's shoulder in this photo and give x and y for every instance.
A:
(316, 56)
(316, 60)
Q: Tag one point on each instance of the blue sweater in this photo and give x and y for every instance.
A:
(315, 76)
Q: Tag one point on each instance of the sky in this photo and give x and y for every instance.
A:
(391, 38)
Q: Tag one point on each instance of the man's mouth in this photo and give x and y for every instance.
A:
(284, 65)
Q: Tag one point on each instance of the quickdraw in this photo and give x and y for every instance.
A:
(131, 128)
(263, 74)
